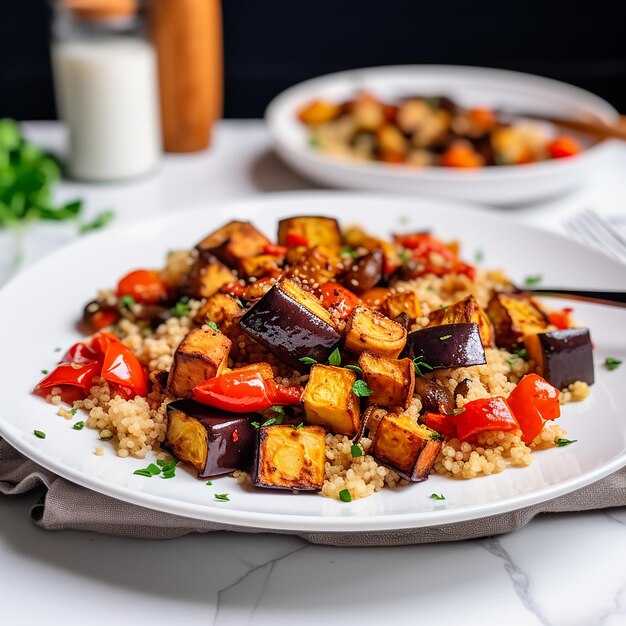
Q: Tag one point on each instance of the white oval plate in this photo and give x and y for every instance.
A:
(470, 86)
(40, 309)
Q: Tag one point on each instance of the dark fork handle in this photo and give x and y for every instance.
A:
(612, 298)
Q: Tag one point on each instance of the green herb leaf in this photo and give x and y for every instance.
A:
(181, 309)
(143, 472)
(300, 425)
(348, 251)
(334, 358)
(419, 364)
(356, 450)
(532, 280)
(361, 389)
(222, 497)
(307, 360)
(437, 496)
(73, 411)
(564, 442)
(44, 372)
(39, 434)
(611, 364)
(127, 302)
(269, 422)
(255, 424)
(167, 465)
(169, 473)
(100, 221)
(522, 353)
(213, 326)
(208, 483)
(345, 495)
(279, 409)
(444, 306)
(513, 360)
(436, 436)
(354, 368)
(79, 425)
(404, 256)
(445, 337)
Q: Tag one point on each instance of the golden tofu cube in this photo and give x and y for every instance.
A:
(515, 315)
(391, 380)
(259, 265)
(317, 231)
(290, 458)
(406, 446)
(329, 400)
(405, 302)
(466, 311)
(368, 330)
(201, 355)
(207, 277)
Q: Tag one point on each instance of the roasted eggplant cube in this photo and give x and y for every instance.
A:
(202, 354)
(214, 442)
(368, 330)
(562, 356)
(514, 316)
(258, 266)
(448, 345)
(234, 242)
(222, 309)
(406, 446)
(465, 311)
(366, 272)
(391, 380)
(290, 458)
(317, 231)
(329, 400)
(314, 267)
(292, 324)
(206, 277)
(403, 303)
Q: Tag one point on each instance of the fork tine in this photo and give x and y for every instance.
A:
(591, 229)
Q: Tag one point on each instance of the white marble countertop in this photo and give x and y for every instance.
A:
(559, 569)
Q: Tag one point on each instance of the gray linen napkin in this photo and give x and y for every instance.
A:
(67, 506)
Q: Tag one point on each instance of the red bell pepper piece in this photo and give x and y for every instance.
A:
(443, 424)
(274, 250)
(80, 353)
(337, 297)
(144, 286)
(533, 402)
(245, 390)
(561, 319)
(120, 366)
(422, 244)
(74, 379)
(293, 240)
(235, 289)
(563, 147)
(485, 414)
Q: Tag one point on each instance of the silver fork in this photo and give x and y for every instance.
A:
(594, 230)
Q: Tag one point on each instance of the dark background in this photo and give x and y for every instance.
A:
(271, 44)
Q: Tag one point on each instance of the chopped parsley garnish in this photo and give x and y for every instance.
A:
(532, 280)
(181, 309)
(208, 483)
(222, 497)
(452, 413)
(100, 221)
(445, 337)
(419, 363)
(354, 368)
(356, 450)
(268, 422)
(127, 301)
(437, 496)
(611, 364)
(167, 468)
(279, 409)
(564, 442)
(522, 353)
(79, 425)
(513, 360)
(307, 360)
(444, 306)
(213, 326)
(334, 358)
(348, 251)
(361, 389)
(154, 470)
(299, 426)
(404, 256)
(436, 436)
(345, 495)
(479, 256)
(73, 411)
(169, 473)
(143, 472)
(44, 372)
(39, 434)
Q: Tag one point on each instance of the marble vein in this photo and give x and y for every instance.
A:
(520, 580)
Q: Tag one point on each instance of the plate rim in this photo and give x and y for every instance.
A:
(299, 523)
(273, 119)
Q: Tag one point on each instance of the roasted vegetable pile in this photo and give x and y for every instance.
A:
(427, 131)
(322, 333)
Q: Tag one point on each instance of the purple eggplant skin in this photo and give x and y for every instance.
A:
(230, 436)
(567, 357)
(289, 330)
(435, 397)
(365, 272)
(448, 345)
